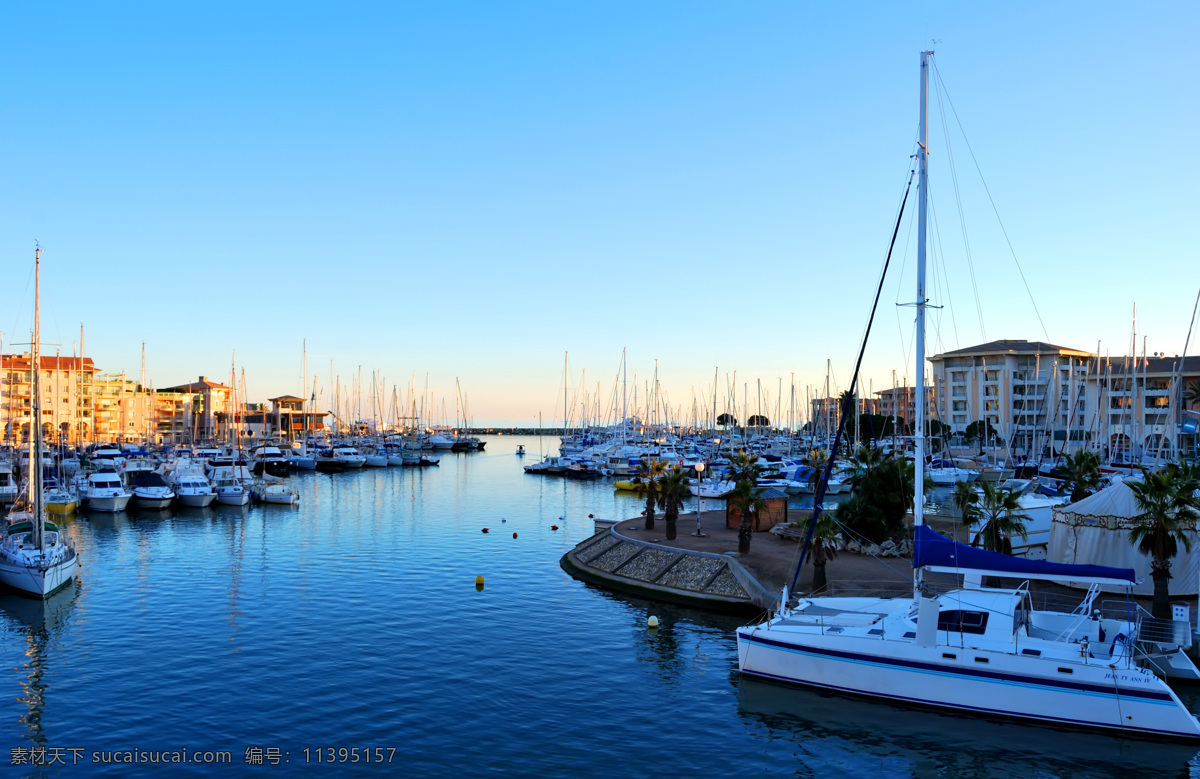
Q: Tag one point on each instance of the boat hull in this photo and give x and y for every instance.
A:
(977, 681)
(63, 508)
(197, 501)
(153, 502)
(234, 498)
(113, 504)
(40, 583)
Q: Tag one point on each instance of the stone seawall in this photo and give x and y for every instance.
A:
(715, 582)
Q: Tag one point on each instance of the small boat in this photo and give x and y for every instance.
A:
(268, 458)
(711, 489)
(150, 490)
(428, 459)
(8, 483)
(375, 457)
(192, 489)
(229, 483)
(59, 498)
(106, 492)
(271, 489)
(521, 450)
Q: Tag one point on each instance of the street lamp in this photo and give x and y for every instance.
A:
(699, 484)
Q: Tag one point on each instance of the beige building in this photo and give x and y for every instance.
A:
(1042, 398)
(898, 401)
(1025, 389)
(202, 408)
(66, 385)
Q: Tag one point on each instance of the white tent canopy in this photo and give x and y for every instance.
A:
(1095, 531)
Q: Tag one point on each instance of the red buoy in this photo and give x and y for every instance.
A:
(514, 535)
(485, 530)
(554, 527)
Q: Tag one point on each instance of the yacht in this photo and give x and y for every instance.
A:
(349, 456)
(989, 650)
(150, 490)
(375, 456)
(192, 488)
(229, 483)
(269, 459)
(106, 492)
(35, 557)
(272, 489)
(8, 483)
(299, 459)
(59, 498)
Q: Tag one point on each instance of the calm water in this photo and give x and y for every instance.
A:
(354, 621)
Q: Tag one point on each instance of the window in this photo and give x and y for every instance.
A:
(960, 405)
(963, 621)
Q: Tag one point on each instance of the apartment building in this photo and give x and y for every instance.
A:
(1040, 398)
(66, 387)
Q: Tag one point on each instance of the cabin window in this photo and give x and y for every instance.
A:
(963, 621)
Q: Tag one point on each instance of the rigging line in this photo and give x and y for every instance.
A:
(992, 201)
(819, 497)
(940, 262)
(962, 216)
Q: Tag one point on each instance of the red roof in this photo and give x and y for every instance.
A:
(22, 361)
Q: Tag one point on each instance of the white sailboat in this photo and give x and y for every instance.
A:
(35, 557)
(980, 649)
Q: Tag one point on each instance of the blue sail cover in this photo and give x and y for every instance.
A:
(934, 549)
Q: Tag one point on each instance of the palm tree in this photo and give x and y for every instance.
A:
(1081, 473)
(824, 548)
(1192, 393)
(744, 466)
(672, 492)
(747, 499)
(966, 499)
(1168, 509)
(649, 472)
(1001, 517)
(818, 459)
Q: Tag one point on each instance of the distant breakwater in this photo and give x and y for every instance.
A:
(550, 431)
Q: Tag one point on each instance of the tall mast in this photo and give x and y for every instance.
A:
(919, 390)
(35, 454)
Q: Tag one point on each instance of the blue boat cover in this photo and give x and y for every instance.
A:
(932, 548)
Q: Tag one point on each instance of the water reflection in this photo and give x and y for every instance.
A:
(841, 734)
(37, 624)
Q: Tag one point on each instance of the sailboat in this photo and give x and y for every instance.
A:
(975, 648)
(35, 557)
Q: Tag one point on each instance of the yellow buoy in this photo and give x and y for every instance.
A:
(652, 622)
(478, 581)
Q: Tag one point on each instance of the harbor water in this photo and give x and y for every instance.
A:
(301, 636)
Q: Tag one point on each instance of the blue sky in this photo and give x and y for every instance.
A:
(469, 189)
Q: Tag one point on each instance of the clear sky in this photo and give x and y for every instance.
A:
(469, 189)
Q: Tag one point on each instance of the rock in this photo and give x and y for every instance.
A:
(887, 545)
(905, 548)
(853, 548)
(872, 550)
